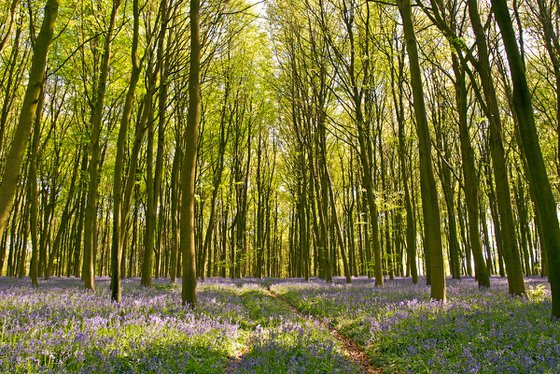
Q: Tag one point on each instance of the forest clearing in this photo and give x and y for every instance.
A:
(276, 326)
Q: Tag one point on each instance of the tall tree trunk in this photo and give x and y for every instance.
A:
(503, 197)
(175, 208)
(188, 294)
(90, 229)
(27, 115)
(163, 58)
(217, 175)
(119, 224)
(469, 173)
(544, 201)
(430, 206)
(154, 176)
(32, 191)
(447, 184)
(410, 221)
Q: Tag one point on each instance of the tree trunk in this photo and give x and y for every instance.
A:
(27, 115)
(32, 191)
(90, 229)
(469, 173)
(188, 171)
(507, 228)
(119, 224)
(544, 201)
(430, 206)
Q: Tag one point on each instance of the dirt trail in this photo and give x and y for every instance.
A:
(235, 361)
(349, 347)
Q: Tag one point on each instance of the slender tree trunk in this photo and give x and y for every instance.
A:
(511, 255)
(32, 191)
(447, 184)
(545, 204)
(119, 224)
(175, 209)
(430, 206)
(154, 176)
(469, 173)
(189, 164)
(90, 229)
(397, 83)
(218, 171)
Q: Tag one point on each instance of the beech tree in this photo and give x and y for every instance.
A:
(430, 205)
(538, 178)
(189, 163)
(28, 111)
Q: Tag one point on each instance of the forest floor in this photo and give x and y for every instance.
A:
(276, 326)
(349, 347)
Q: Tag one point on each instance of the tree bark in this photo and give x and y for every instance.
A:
(546, 207)
(18, 145)
(188, 293)
(503, 197)
(119, 221)
(430, 205)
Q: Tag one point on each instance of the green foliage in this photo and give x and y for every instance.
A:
(538, 293)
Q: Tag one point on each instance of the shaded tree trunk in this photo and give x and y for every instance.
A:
(430, 206)
(90, 219)
(545, 204)
(503, 198)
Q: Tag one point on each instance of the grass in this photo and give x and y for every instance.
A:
(62, 328)
(240, 328)
(476, 331)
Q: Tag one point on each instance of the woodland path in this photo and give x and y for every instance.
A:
(350, 349)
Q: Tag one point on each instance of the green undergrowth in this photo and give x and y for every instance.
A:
(476, 330)
(282, 341)
(237, 328)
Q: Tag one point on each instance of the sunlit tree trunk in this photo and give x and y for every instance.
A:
(188, 172)
(217, 175)
(397, 93)
(119, 221)
(27, 115)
